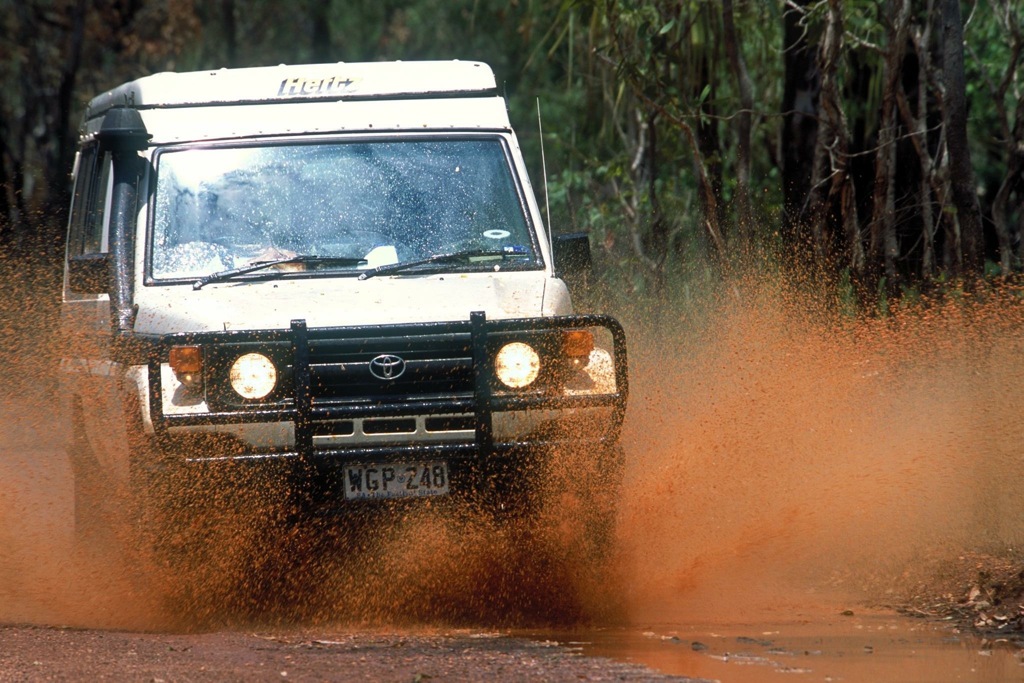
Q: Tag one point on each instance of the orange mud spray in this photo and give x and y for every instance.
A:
(778, 455)
(782, 455)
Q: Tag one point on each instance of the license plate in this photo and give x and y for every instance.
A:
(396, 480)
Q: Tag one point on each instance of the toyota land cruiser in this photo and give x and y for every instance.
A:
(335, 272)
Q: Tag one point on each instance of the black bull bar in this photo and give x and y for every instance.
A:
(301, 408)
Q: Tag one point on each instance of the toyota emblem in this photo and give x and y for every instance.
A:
(387, 367)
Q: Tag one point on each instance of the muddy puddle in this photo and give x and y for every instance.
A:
(854, 649)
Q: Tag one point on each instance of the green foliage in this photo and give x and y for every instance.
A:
(641, 105)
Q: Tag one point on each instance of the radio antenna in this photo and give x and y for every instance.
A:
(544, 171)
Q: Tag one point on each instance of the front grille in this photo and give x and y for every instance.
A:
(432, 365)
(341, 369)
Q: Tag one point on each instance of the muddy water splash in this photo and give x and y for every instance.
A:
(781, 454)
(777, 455)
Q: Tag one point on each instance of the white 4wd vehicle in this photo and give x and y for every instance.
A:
(337, 273)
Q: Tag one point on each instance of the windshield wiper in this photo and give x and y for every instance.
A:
(450, 257)
(260, 265)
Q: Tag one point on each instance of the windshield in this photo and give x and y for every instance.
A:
(358, 204)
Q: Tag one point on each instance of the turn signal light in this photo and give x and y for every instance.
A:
(577, 344)
(186, 360)
(187, 363)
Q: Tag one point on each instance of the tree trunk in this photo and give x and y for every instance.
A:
(230, 29)
(799, 123)
(6, 226)
(61, 155)
(916, 122)
(320, 16)
(884, 248)
(962, 183)
(743, 120)
(833, 155)
(709, 139)
(1013, 184)
(1013, 181)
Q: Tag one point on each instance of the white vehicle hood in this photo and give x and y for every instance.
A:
(336, 302)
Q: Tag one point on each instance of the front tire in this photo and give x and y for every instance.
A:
(96, 507)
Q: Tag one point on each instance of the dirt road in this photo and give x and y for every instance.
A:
(50, 654)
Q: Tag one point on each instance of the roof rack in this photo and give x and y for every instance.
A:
(302, 82)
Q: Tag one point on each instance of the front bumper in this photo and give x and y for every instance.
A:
(489, 420)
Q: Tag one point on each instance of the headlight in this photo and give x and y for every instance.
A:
(253, 376)
(517, 365)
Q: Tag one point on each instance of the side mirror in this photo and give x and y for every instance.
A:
(89, 273)
(572, 255)
(573, 262)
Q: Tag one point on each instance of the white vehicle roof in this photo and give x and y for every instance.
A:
(309, 99)
(300, 83)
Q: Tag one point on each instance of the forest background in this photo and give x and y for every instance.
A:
(877, 144)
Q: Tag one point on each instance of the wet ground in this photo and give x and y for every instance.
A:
(31, 654)
(854, 649)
